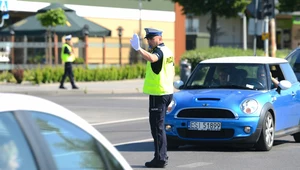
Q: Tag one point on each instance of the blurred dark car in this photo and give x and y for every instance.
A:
(294, 59)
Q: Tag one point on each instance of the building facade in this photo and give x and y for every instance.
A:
(130, 15)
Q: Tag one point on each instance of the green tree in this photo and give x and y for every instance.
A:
(215, 8)
(289, 5)
(51, 19)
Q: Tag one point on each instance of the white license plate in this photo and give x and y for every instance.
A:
(205, 126)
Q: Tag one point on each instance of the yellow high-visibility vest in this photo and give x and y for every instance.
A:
(162, 83)
(67, 57)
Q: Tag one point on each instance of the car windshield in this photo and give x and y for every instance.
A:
(224, 75)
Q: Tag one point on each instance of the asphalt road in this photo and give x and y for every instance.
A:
(123, 119)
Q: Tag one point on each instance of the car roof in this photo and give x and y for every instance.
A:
(15, 102)
(246, 59)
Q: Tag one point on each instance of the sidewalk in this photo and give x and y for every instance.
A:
(105, 87)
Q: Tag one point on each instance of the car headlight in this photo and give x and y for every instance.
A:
(249, 106)
(171, 106)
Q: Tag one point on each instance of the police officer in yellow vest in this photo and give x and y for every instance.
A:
(67, 56)
(158, 85)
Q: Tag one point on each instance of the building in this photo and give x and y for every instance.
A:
(130, 15)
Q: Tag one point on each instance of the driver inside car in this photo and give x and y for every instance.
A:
(262, 78)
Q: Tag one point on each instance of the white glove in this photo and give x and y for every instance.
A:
(135, 42)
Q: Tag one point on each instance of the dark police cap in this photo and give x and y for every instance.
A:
(151, 32)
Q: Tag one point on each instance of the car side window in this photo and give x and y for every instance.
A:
(71, 147)
(15, 153)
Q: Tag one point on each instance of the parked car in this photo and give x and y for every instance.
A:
(294, 59)
(248, 109)
(39, 134)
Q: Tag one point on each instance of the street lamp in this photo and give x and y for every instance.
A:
(120, 32)
(12, 40)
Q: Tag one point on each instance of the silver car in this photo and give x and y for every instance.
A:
(39, 134)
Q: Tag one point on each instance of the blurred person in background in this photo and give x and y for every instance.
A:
(67, 56)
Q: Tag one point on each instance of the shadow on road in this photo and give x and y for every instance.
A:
(136, 147)
(227, 147)
(148, 146)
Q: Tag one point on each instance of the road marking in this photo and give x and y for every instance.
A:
(131, 142)
(119, 121)
(195, 165)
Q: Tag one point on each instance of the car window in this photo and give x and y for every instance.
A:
(288, 73)
(225, 75)
(71, 147)
(15, 153)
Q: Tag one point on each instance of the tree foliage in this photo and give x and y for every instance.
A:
(49, 19)
(221, 8)
(214, 8)
(289, 5)
(52, 17)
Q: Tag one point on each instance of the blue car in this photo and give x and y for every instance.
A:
(235, 100)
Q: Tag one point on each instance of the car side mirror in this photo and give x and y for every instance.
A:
(284, 84)
(178, 84)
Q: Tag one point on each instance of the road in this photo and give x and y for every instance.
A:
(123, 119)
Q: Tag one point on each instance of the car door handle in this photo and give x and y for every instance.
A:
(293, 94)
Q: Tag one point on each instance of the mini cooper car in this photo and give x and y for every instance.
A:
(235, 100)
(39, 134)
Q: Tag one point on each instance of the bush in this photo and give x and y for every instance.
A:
(18, 75)
(78, 60)
(198, 55)
(6, 76)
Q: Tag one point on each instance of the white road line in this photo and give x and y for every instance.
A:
(131, 142)
(119, 121)
(195, 165)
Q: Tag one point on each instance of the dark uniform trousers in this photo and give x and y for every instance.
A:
(68, 72)
(157, 109)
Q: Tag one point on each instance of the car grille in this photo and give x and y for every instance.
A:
(205, 113)
(224, 133)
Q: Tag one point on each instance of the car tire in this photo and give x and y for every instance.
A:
(297, 137)
(266, 139)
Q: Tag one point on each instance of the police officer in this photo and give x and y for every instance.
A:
(67, 56)
(158, 84)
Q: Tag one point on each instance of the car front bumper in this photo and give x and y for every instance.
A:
(232, 131)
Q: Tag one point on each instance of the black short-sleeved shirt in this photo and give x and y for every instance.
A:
(156, 66)
(67, 51)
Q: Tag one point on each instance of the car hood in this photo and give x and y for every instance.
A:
(189, 97)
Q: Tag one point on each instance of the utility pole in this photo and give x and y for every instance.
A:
(269, 13)
(266, 33)
(255, 28)
(273, 37)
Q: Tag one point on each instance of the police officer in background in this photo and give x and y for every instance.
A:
(67, 56)
(158, 84)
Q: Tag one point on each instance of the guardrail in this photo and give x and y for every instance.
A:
(45, 45)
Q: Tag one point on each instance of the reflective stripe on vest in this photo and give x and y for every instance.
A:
(66, 57)
(162, 83)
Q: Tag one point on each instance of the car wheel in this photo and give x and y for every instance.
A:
(266, 138)
(297, 137)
